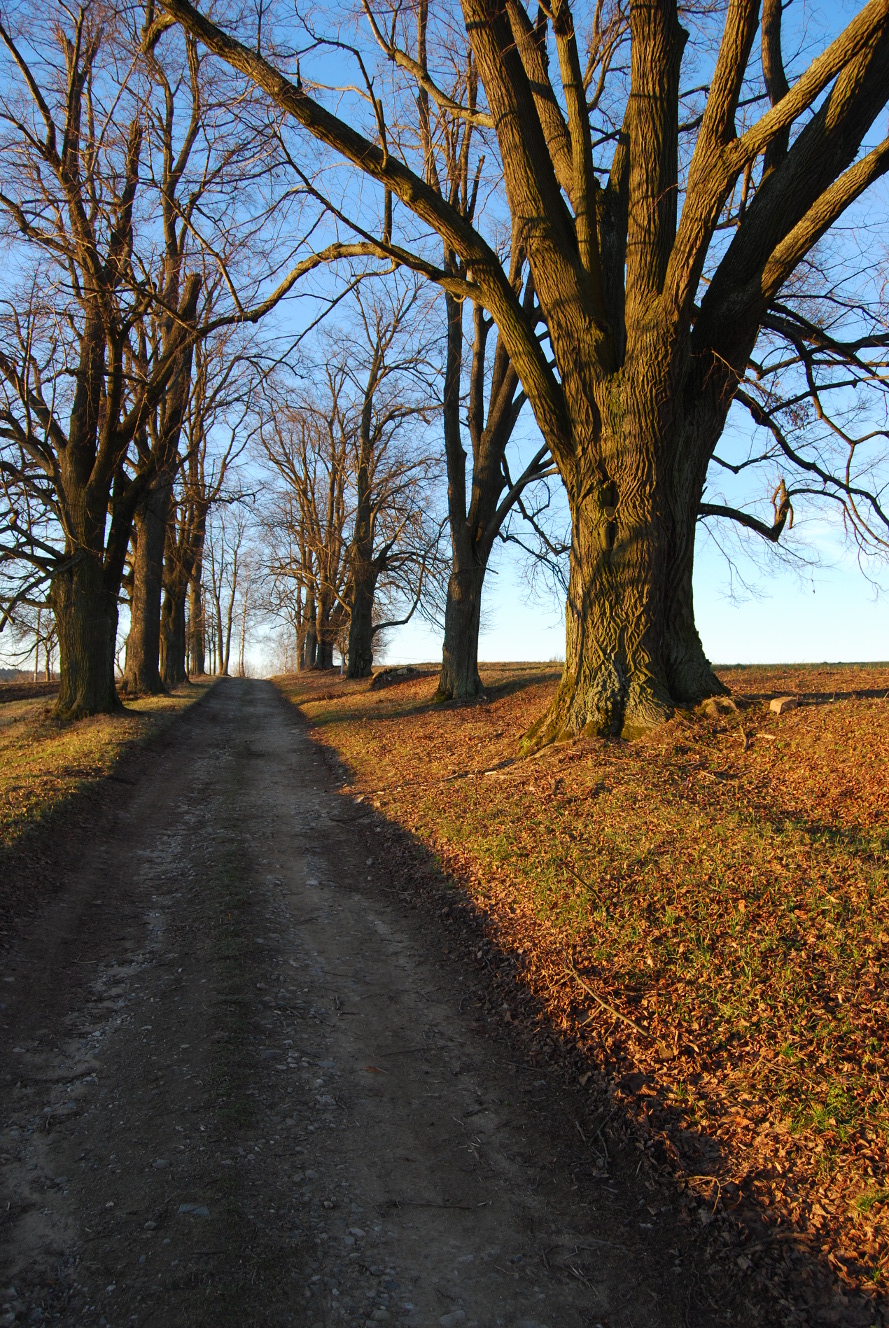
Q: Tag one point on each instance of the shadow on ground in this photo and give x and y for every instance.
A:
(744, 1256)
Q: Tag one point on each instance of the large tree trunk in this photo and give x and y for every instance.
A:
(325, 641)
(196, 628)
(688, 670)
(361, 633)
(86, 617)
(142, 671)
(311, 639)
(173, 670)
(459, 678)
(473, 529)
(324, 657)
(632, 651)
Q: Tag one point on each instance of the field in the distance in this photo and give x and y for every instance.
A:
(704, 913)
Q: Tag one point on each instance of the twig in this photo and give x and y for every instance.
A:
(600, 1128)
(610, 1008)
(589, 1143)
(584, 883)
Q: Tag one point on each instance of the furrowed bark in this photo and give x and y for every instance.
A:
(142, 671)
(85, 611)
(360, 651)
(632, 650)
(459, 679)
(172, 634)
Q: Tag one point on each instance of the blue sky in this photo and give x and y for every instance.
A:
(829, 613)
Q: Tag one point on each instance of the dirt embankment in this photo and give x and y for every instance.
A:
(26, 690)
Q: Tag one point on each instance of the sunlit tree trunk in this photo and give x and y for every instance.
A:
(653, 282)
(361, 624)
(459, 677)
(362, 569)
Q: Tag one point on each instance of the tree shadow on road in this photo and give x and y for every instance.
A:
(750, 1263)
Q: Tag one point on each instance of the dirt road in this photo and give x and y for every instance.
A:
(240, 1086)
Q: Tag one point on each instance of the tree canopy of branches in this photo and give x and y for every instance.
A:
(132, 197)
(219, 422)
(305, 525)
(660, 226)
(352, 538)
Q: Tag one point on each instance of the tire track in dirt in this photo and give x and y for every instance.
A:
(239, 1088)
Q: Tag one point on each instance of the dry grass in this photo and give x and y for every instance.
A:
(43, 763)
(720, 891)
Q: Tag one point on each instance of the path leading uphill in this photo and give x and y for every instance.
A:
(238, 1086)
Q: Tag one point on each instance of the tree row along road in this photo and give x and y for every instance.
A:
(239, 1086)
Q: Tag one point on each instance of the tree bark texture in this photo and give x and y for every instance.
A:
(363, 568)
(310, 642)
(474, 523)
(196, 625)
(142, 671)
(324, 655)
(361, 625)
(85, 610)
(459, 677)
(173, 638)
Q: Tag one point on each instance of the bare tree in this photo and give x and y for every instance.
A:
(652, 308)
(479, 387)
(287, 580)
(352, 531)
(70, 192)
(228, 563)
(393, 547)
(34, 634)
(246, 607)
(128, 189)
(218, 425)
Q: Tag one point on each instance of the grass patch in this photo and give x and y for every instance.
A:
(721, 883)
(43, 762)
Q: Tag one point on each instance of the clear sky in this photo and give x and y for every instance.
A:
(829, 613)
